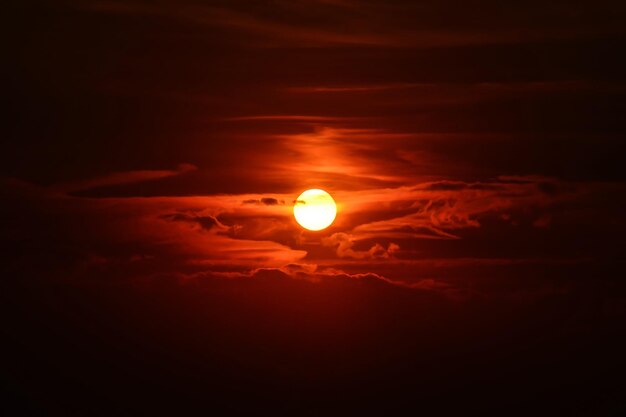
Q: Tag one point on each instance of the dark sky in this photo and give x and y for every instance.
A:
(152, 153)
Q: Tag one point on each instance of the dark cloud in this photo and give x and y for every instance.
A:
(460, 185)
(268, 201)
(378, 23)
(205, 222)
(549, 188)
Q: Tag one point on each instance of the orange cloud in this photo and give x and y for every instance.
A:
(345, 248)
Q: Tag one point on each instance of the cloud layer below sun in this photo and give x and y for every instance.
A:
(426, 235)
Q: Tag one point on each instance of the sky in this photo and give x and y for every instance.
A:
(152, 154)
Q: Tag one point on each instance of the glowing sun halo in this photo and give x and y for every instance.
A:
(315, 209)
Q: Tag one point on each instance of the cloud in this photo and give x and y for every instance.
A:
(121, 178)
(459, 185)
(379, 24)
(205, 222)
(291, 118)
(345, 243)
(354, 88)
(315, 275)
(267, 201)
(436, 230)
(468, 91)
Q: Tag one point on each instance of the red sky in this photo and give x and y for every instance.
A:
(153, 152)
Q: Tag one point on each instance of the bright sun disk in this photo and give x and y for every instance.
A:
(315, 209)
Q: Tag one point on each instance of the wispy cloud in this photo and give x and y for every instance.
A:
(354, 88)
(292, 118)
(120, 178)
(390, 24)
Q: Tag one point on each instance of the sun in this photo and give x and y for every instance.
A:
(315, 209)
